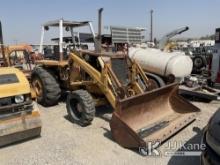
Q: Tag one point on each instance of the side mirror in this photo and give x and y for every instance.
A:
(46, 28)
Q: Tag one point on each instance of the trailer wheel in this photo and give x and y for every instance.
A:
(156, 80)
(80, 107)
(199, 62)
(46, 87)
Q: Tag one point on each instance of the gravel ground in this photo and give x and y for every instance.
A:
(62, 142)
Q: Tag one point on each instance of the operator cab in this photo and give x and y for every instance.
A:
(60, 51)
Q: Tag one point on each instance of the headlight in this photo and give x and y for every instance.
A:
(19, 99)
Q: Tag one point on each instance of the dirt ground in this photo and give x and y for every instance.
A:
(63, 142)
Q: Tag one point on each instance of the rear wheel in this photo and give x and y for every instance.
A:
(46, 87)
(80, 107)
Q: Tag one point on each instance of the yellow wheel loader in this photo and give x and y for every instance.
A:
(19, 115)
(142, 113)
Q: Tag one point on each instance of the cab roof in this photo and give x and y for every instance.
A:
(66, 23)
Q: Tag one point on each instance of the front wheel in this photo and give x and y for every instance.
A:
(157, 82)
(80, 107)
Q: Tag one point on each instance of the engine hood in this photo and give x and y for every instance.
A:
(13, 82)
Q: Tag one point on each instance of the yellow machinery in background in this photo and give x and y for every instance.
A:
(20, 56)
(19, 114)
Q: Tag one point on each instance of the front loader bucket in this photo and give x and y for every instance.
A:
(20, 127)
(150, 117)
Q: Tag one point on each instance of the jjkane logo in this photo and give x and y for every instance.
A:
(150, 150)
(173, 148)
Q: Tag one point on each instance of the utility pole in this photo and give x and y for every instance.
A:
(151, 26)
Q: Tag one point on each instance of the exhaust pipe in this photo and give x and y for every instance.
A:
(100, 29)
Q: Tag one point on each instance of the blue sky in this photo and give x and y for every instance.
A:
(22, 19)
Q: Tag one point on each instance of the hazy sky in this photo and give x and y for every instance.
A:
(22, 19)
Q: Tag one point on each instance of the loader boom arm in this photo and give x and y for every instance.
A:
(107, 80)
(96, 76)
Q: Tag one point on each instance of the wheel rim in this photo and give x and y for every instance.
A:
(76, 108)
(79, 108)
(198, 62)
(38, 88)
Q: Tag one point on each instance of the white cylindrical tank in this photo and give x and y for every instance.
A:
(162, 63)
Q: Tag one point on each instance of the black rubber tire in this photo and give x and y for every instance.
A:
(199, 62)
(158, 80)
(85, 100)
(51, 91)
